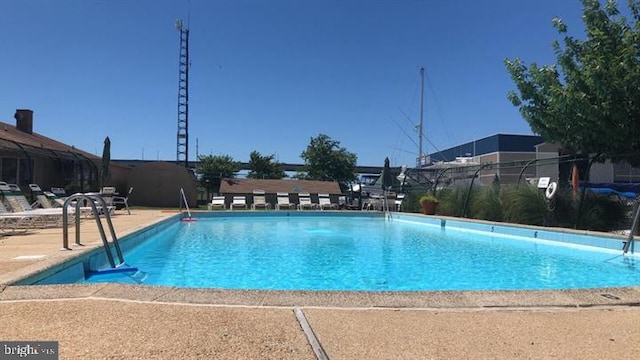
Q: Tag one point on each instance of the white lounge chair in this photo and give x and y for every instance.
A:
(20, 206)
(238, 202)
(217, 202)
(43, 200)
(284, 202)
(304, 202)
(13, 223)
(260, 200)
(59, 192)
(324, 202)
(342, 202)
(398, 202)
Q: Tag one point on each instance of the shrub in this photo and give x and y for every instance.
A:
(486, 204)
(601, 213)
(525, 204)
(453, 199)
(563, 209)
(411, 202)
(428, 198)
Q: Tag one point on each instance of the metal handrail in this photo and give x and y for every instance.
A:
(186, 204)
(466, 202)
(634, 228)
(91, 199)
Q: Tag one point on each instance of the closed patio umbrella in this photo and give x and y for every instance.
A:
(387, 180)
(106, 160)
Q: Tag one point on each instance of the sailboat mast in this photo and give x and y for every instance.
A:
(420, 127)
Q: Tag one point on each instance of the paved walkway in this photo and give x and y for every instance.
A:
(112, 321)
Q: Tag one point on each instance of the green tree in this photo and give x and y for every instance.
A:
(264, 167)
(590, 100)
(325, 159)
(212, 168)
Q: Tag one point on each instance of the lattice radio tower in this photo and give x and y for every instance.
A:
(183, 96)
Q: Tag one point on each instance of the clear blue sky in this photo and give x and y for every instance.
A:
(269, 75)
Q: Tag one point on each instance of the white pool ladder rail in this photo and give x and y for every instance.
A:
(91, 199)
(634, 228)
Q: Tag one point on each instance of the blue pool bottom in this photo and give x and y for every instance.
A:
(341, 253)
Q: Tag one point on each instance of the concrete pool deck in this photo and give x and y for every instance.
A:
(115, 321)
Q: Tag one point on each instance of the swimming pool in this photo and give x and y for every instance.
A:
(292, 251)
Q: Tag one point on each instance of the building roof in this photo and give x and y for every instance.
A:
(272, 186)
(490, 144)
(11, 138)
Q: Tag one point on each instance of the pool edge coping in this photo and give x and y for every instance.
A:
(452, 300)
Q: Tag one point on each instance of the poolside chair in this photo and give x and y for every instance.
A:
(398, 202)
(20, 206)
(107, 193)
(304, 202)
(42, 199)
(122, 200)
(217, 202)
(18, 203)
(13, 223)
(57, 196)
(342, 202)
(238, 201)
(260, 200)
(14, 197)
(324, 202)
(284, 202)
(59, 192)
(58, 201)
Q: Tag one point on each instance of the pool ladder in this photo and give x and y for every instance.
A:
(91, 200)
(634, 228)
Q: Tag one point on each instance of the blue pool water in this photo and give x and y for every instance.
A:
(363, 253)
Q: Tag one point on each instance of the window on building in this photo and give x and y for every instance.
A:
(16, 170)
(10, 170)
(25, 168)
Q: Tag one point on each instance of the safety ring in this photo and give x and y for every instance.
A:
(551, 190)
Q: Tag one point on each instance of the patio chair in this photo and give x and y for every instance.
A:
(398, 202)
(324, 202)
(16, 225)
(107, 193)
(13, 223)
(304, 202)
(342, 202)
(373, 203)
(42, 199)
(217, 202)
(14, 197)
(260, 200)
(57, 197)
(122, 200)
(284, 202)
(238, 202)
(59, 192)
(20, 206)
